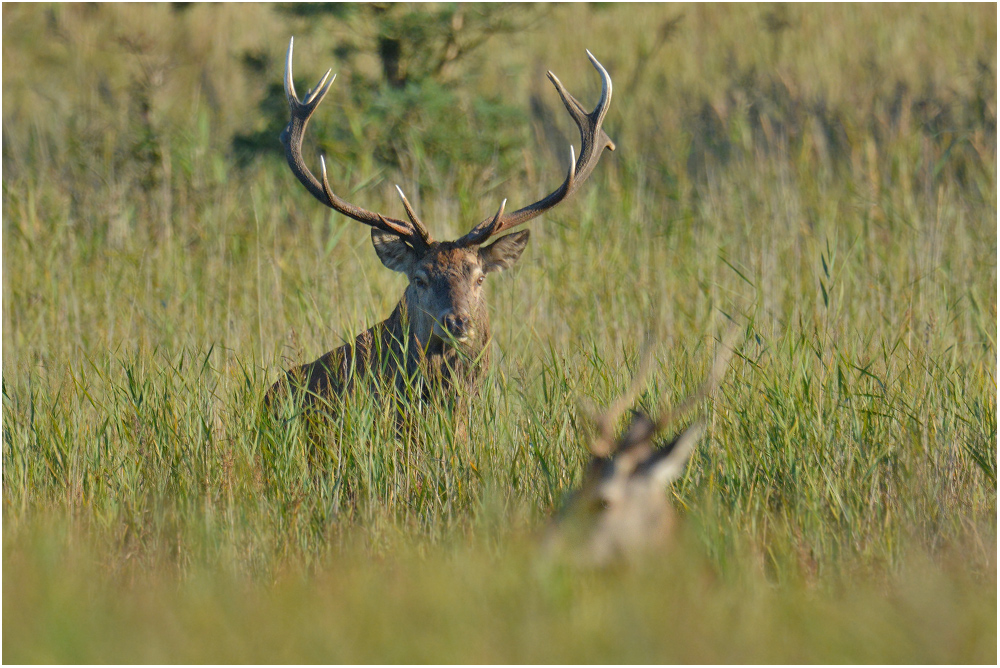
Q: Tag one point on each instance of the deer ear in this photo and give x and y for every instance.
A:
(667, 464)
(503, 252)
(393, 251)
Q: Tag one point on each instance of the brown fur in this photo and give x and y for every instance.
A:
(622, 509)
(437, 336)
(439, 331)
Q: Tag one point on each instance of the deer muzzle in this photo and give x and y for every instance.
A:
(455, 326)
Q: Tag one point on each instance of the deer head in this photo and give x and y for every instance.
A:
(622, 508)
(444, 301)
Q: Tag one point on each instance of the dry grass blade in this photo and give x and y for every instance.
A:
(719, 366)
(603, 443)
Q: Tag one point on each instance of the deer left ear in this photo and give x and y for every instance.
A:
(667, 464)
(393, 251)
(503, 252)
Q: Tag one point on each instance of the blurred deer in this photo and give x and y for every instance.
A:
(622, 509)
(439, 331)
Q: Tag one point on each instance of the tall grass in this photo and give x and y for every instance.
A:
(825, 176)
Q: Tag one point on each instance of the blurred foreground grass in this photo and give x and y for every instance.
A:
(462, 604)
(824, 175)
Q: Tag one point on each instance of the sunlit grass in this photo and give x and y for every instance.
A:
(831, 190)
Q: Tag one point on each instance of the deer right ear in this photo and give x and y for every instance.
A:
(393, 251)
(667, 464)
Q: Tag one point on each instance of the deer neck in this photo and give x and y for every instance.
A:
(435, 357)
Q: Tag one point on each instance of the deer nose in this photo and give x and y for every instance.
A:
(457, 325)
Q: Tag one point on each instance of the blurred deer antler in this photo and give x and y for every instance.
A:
(711, 383)
(603, 444)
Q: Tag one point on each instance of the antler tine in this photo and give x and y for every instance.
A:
(321, 88)
(483, 230)
(711, 383)
(304, 108)
(605, 101)
(411, 214)
(604, 444)
(289, 84)
(291, 137)
(593, 142)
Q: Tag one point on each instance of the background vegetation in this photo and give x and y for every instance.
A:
(823, 175)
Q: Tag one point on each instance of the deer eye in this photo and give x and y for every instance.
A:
(479, 281)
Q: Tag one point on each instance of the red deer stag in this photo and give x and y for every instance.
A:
(439, 331)
(621, 510)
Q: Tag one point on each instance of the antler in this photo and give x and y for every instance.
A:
(605, 444)
(414, 233)
(708, 387)
(593, 141)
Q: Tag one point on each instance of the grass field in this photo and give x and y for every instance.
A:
(825, 176)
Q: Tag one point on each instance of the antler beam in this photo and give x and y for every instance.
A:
(414, 233)
(593, 141)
